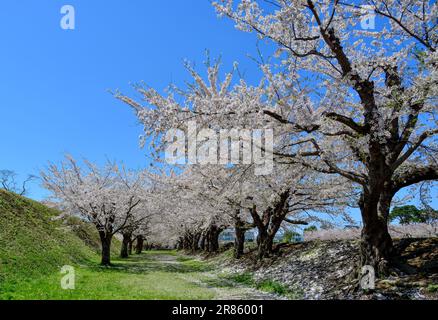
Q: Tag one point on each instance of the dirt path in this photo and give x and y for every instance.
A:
(152, 275)
(208, 277)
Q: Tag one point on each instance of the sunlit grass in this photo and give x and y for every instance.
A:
(138, 277)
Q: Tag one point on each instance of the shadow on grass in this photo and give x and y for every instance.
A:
(153, 261)
(220, 283)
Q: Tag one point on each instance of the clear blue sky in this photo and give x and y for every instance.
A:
(54, 82)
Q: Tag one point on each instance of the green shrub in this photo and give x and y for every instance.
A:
(432, 288)
(243, 278)
(272, 287)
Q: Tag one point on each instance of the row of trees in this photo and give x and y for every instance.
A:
(353, 111)
(114, 199)
(190, 209)
(354, 119)
(206, 200)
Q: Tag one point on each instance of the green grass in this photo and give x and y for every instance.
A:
(432, 288)
(276, 287)
(245, 278)
(88, 234)
(32, 243)
(34, 246)
(267, 285)
(135, 278)
(183, 258)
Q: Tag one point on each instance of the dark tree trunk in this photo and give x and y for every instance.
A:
(269, 224)
(207, 242)
(262, 233)
(195, 242)
(139, 245)
(213, 238)
(105, 240)
(180, 244)
(376, 243)
(273, 228)
(187, 242)
(202, 242)
(130, 247)
(239, 241)
(124, 250)
(265, 239)
(264, 245)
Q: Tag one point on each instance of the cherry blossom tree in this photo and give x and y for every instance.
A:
(301, 198)
(222, 190)
(135, 230)
(110, 197)
(137, 227)
(208, 199)
(363, 102)
(197, 216)
(343, 101)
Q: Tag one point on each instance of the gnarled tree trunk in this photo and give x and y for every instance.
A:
(264, 245)
(105, 240)
(202, 241)
(131, 242)
(266, 238)
(376, 244)
(179, 244)
(213, 238)
(124, 250)
(195, 241)
(139, 244)
(269, 223)
(186, 242)
(239, 241)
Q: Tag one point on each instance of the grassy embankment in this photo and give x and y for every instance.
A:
(34, 246)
